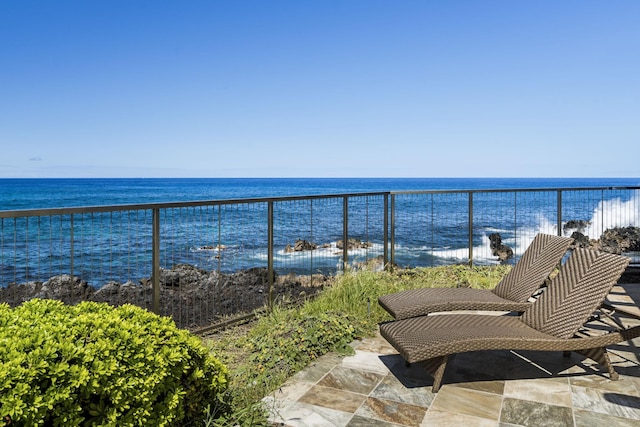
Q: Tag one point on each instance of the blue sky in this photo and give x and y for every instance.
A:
(278, 88)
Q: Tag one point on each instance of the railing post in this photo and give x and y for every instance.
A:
(559, 208)
(71, 248)
(392, 233)
(26, 244)
(270, 253)
(603, 218)
(311, 239)
(155, 260)
(515, 216)
(471, 228)
(219, 238)
(345, 233)
(385, 232)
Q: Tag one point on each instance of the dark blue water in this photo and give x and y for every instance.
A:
(47, 193)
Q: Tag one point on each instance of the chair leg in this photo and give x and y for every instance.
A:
(601, 356)
(436, 368)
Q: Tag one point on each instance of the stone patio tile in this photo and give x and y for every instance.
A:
(332, 398)
(606, 402)
(319, 368)
(355, 344)
(366, 361)
(550, 391)
(635, 380)
(376, 345)
(451, 419)
(528, 413)
(625, 356)
(299, 414)
(468, 402)
(392, 411)
(411, 376)
(391, 388)
(352, 380)
(593, 419)
(625, 385)
(292, 390)
(503, 365)
(494, 387)
(358, 421)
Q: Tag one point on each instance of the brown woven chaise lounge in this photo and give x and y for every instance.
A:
(512, 293)
(554, 322)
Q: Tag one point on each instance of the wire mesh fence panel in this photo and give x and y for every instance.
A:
(112, 247)
(113, 254)
(304, 232)
(506, 222)
(213, 261)
(535, 212)
(430, 229)
(494, 226)
(75, 257)
(365, 233)
(306, 236)
(413, 232)
(582, 212)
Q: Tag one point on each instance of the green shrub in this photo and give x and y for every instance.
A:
(95, 365)
(294, 342)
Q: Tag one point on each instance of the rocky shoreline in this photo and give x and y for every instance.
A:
(617, 240)
(305, 245)
(191, 296)
(614, 240)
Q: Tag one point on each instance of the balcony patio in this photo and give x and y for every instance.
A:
(493, 388)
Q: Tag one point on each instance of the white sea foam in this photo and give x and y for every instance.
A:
(614, 213)
(216, 248)
(481, 253)
(331, 251)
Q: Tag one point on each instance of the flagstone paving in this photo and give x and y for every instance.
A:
(374, 387)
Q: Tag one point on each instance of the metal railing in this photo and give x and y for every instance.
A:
(202, 261)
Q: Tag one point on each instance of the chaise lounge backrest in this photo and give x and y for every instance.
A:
(530, 272)
(575, 293)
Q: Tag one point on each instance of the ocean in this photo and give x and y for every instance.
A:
(36, 193)
(426, 231)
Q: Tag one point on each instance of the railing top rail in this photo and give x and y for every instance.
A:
(170, 205)
(515, 190)
(195, 203)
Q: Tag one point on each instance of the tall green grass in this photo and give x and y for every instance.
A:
(356, 293)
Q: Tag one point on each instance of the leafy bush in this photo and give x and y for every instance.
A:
(95, 365)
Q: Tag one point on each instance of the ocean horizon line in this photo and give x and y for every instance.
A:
(40, 193)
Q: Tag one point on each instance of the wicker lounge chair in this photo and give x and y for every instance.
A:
(511, 294)
(554, 322)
